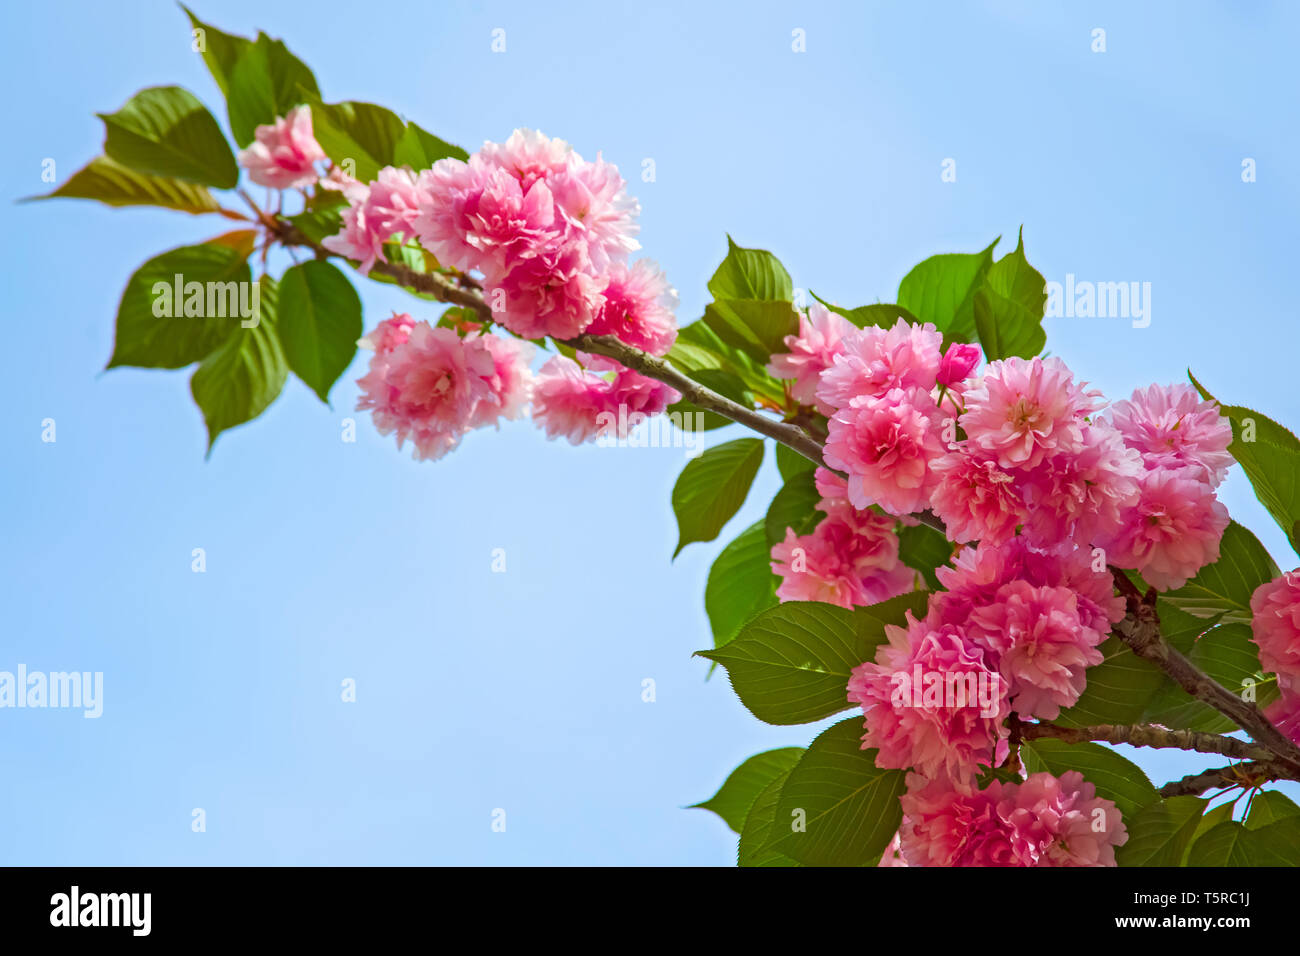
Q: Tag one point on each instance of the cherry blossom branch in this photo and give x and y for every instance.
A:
(1148, 735)
(1140, 630)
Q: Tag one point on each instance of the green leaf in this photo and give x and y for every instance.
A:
(1226, 653)
(1116, 778)
(751, 274)
(699, 352)
(166, 131)
(319, 323)
(711, 489)
(741, 584)
(114, 185)
(942, 290)
(756, 832)
(756, 328)
(1269, 454)
(244, 375)
(1225, 587)
(1270, 806)
(153, 327)
(1118, 688)
(365, 134)
(220, 50)
(790, 463)
(924, 549)
(264, 84)
(1009, 307)
(879, 314)
(1208, 822)
(420, 149)
(795, 506)
(1160, 833)
(791, 663)
(1231, 844)
(847, 806)
(746, 782)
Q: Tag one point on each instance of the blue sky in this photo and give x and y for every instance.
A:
(328, 560)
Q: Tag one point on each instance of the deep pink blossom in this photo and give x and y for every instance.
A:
(552, 293)
(977, 500)
(933, 701)
(850, 558)
(1171, 531)
(1061, 821)
(637, 307)
(1275, 623)
(1041, 644)
(958, 362)
(886, 445)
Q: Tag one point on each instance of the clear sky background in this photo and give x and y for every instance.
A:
(328, 560)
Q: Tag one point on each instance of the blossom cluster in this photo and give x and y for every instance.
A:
(547, 233)
(1021, 462)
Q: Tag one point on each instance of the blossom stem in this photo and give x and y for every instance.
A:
(1148, 735)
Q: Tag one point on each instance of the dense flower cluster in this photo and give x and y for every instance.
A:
(549, 234)
(1275, 623)
(1022, 462)
(1041, 821)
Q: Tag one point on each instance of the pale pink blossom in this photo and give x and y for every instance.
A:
(568, 401)
(1174, 429)
(427, 388)
(886, 445)
(528, 156)
(386, 211)
(510, 383)
(1275, 624)
(592, 199)
(922, 726)
(283, 153)
(874, 360)
(1025, 409)
(1170, 532)
(810, 353)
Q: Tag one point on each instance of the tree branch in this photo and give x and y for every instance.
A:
(1148, 735)
(1140, 630)
(1238, 775)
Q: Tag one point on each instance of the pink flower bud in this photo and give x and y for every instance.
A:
(958, 362)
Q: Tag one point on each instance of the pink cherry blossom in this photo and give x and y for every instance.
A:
(1275, 624)
(886, 445)
(568, 401)
(936, 726)
(1171, 531)
(1174, 429)
(977, 500)
(1061, 821)
(385, 210)
(592, 199)
(958, 362)
(811, 352)
(945, 826)
(283, 153)
(427, 389)
(1284, 713)
(1040, 642)
(552, 293)
(637, 307)
(874, 360)
(1025, 409)
(528, 156)
(510, 383)
(850, 558)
